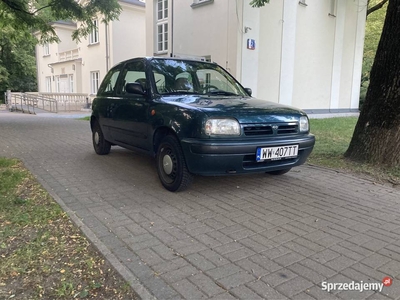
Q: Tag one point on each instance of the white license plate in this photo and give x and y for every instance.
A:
(276, 153)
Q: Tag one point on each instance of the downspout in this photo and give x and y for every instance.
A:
(172, 28)
(107, 51)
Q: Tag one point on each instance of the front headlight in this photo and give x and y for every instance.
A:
(304, 127)
(222, 127)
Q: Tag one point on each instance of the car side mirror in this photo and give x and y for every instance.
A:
(134, 88)
(248, 91)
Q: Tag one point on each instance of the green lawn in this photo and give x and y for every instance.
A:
(333, 136)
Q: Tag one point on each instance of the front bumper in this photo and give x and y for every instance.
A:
(218, 157)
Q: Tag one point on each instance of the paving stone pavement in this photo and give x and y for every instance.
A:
(239, 237)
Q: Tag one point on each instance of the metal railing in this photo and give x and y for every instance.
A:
(50, 102)
(69, 101)
(22, 102)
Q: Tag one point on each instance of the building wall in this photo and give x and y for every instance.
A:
(44, 63)
(125, 39)
(128, 41)
(314, 49)
(208, 30)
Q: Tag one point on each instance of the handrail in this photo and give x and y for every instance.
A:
(51, 102)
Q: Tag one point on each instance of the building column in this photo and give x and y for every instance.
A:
(338, 54)
(250, 31)
(288, 51)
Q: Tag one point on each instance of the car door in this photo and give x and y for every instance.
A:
(130, 112)
(105, 102)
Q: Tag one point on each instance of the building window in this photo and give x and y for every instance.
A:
(48, 84)
(94, 82)
(46, 49)
(94, 34)
(162, 26)
(71, 83)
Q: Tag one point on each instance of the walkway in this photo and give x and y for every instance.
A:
(240, 237)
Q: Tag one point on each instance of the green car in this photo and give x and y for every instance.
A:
(195, 119)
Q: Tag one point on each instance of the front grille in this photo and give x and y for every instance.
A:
(257, 130)
(287, 129)
(267, 129)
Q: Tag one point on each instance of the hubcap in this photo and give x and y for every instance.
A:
(167, 164)
(96, 138)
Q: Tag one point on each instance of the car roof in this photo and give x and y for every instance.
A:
(150, 58)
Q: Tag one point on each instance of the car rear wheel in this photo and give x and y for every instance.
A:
(279, 172)
(100, 144)
(171, 165)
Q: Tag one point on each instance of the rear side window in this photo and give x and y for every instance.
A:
(108, 85)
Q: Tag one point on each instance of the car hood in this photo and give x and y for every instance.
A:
(244, 109)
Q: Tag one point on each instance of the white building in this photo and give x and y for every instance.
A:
(70, 67)
(305, 53)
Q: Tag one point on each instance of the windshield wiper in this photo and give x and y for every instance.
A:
(179, 93)
(222, 93)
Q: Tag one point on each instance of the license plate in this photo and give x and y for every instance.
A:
(276, 153)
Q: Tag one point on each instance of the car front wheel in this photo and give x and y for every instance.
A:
(100, 144)
(171, 165)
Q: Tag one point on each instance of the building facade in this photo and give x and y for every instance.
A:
(71, 67)
(304, 53)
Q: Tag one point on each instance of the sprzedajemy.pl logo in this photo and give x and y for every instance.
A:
(357, 286)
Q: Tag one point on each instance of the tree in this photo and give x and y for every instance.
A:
(35, 15)
(376, 138)
(17, 60)
(373, 31)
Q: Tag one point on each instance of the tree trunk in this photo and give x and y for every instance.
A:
(376, 138)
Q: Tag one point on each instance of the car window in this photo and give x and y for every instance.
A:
(133, 72)
(108, 85)
(211, 78)
(160, 82)
(193, 77)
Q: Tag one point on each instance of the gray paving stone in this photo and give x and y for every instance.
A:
(188, 290)
(265, 290)
(206, 285)
(223, 271)
(294, 286)
(236, 279)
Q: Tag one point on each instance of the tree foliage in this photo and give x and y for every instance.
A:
(17, 60)
(34, 15)
(20, 18)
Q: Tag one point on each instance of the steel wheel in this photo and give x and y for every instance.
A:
(171, 165)
(100, 144)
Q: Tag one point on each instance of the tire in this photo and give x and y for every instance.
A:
(171, 165)
(279, 172)
(100, 144)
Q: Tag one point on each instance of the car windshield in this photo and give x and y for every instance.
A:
(193, 77)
